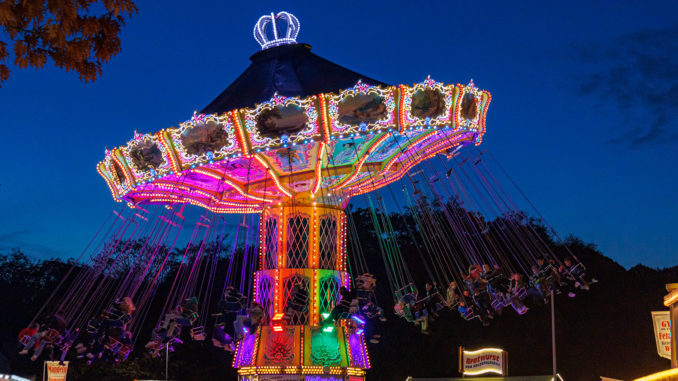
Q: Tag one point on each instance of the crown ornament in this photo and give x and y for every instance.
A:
(289, 37)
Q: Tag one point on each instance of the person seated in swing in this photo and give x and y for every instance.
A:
(453, 295)
(93, 337)
(550, 276)
(468, 311)
(522, 289)
(184, 315)
(434, 301)
(567, 282)
(413, 312)
(166, 334)
(69, 338)
(343, 309)
(474, 280)
(498, 288)
(28, 332)
(120, 314)
(49, 332)
(221, 339)
(367, 300)
(538, 284)
(244, 324)
(161, 341)
(170, 328)
(495, 279)
(126, 346)
(233, 301)
(112, 343)
(578, 274)
(189, 312)
(480, 301)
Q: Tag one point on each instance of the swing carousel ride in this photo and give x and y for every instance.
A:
(290, 142)
(293, 139)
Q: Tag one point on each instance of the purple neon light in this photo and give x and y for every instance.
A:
(358, 319)
(355, 343)
(246, 351)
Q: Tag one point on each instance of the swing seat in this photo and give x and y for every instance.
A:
(153, 345)
(371, 310)
(467, 315)
(438, 300)
(24, 339)
(576, 268)
(454, 306)
(192, 317)
(64, 346)
(52, 337)
(407, 290)
(578, 271)
(521, 293)
(112, 345)
(497, 303)
(198, 333)
(125, 351)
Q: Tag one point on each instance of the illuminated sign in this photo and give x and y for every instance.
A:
(483, 361)
(662, 332)
(56, 371)
(279, 377)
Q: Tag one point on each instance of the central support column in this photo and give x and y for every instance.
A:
(303, 243)
(304, 246)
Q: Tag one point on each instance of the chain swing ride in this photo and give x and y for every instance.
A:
(289, 143)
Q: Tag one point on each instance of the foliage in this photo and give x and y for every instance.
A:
(77, 35)
(606, 331)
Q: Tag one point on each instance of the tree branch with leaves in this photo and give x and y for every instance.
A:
(77, 35)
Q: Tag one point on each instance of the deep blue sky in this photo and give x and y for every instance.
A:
(584, 110)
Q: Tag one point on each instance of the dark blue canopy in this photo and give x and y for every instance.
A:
(289, 70)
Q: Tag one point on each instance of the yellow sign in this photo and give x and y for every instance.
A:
(483, 361)
(54, 371)
(661, 320)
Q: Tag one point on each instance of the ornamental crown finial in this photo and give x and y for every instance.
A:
(289, 37)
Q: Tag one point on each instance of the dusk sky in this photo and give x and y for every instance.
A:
(584, 111)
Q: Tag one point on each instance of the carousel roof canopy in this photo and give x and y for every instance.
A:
(288, 70)
(295, 126)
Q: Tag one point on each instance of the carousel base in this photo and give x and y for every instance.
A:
(300, 377)
(302, 353)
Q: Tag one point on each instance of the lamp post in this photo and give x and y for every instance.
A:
(553, 334)
(671, 301)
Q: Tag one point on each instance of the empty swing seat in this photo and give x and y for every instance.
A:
(52, 337)
(198, 333)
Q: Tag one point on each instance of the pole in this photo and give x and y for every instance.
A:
(553, 333)
(674, 321)
(166, 361)
(671, 301)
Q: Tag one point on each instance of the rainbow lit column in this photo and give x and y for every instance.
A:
(302, 244)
